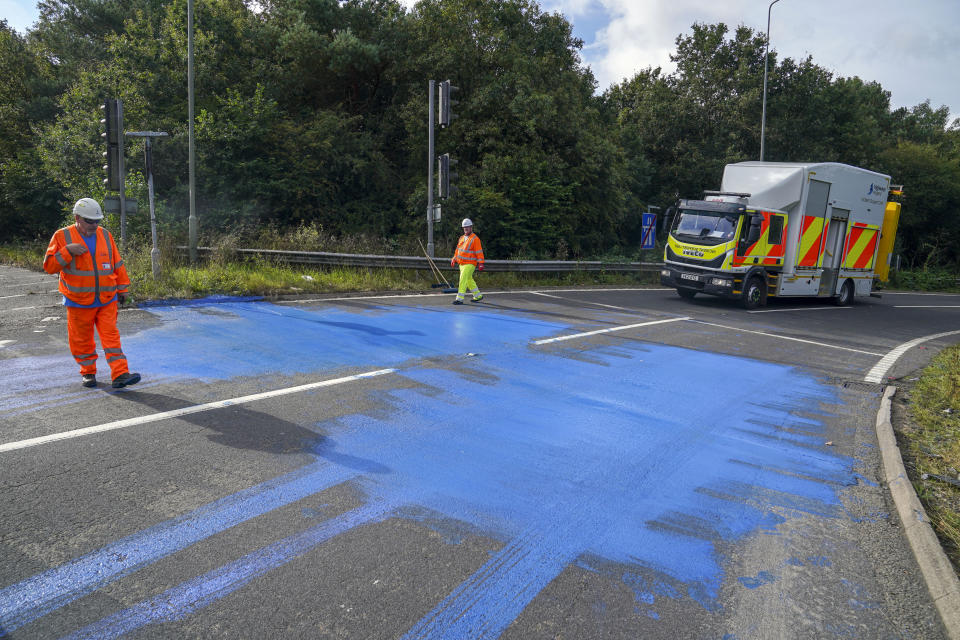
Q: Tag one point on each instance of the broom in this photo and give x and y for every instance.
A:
(437, 274)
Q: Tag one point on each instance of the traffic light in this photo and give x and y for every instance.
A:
(447, 177)
(446, 103)
(112, 137)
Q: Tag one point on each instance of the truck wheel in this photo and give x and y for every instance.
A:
(846, 295)
(753, 293)
(686, 293)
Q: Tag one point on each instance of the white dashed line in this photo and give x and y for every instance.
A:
(176, 413)
(926, 306)
(880, 369)
(4, 343)
(778, 337)
(441, 295)
(596, 304)
(609, 330)
(799, 309)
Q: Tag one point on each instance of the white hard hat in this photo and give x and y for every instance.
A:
(88, 208)
(466, 223)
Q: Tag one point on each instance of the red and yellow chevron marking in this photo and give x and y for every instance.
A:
(811, 239)
(860, 246)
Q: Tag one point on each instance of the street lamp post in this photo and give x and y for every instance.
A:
(191, 161)
(766, 58)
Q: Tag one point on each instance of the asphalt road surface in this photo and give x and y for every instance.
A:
(583, 463)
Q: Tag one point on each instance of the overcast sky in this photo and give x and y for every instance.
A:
(911, 48)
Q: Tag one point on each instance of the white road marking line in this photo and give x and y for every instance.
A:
(16, 295)
(596, 304)
(798, 309)
(4, 343)
(913, 293)
(49, 318)
(176, 413)
(880, 369)
(20, 309)
(610, 330)
(926, 306)
(433, 295)
(773, 335)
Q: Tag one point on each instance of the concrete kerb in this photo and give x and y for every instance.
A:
(937, 571)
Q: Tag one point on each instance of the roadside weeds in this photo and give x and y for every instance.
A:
(926, 420)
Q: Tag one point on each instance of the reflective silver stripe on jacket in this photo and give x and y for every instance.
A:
(96, 289)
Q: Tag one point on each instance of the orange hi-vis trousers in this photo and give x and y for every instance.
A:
(80, 325)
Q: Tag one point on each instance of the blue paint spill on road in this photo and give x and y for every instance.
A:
(235, 339)
(643, 455)
(228, 337)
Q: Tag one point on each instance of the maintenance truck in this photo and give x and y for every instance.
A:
(784, 229)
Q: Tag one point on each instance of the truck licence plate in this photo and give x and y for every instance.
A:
(689, 276)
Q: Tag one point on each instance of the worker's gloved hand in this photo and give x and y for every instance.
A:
(453, 263)
(480, 268)
(121, 298)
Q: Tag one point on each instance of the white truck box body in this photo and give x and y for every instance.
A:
(848, 195)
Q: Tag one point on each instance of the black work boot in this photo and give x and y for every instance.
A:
(89, 380)
(458, 302)
(125, 380)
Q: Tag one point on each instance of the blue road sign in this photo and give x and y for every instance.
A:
(649, 231)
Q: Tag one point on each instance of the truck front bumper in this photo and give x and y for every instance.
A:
(717, 284)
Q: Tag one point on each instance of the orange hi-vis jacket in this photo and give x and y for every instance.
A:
(469, 250)
(85, 279)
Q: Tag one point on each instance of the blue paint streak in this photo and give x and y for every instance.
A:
(478, 609)
(184, 599)
(762, 578)
(26, 601)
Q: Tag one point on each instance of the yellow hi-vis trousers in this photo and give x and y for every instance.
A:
(467, 282)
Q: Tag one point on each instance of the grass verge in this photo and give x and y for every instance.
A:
(929, 439)
(225, 274)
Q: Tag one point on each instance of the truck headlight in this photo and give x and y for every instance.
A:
(665, 272)
(719, 282)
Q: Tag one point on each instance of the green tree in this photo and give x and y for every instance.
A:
(30, 204)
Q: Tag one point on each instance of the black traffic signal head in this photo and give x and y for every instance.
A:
(111, 136)
(446, 103)
(446, 184)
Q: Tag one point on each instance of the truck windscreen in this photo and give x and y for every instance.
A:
(705, 227)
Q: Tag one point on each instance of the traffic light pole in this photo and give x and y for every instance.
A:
(430, 213)
(123, 178)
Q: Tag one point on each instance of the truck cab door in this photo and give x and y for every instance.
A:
(762, 239)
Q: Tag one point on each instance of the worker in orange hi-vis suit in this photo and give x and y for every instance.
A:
(92, 280)
(469, 256)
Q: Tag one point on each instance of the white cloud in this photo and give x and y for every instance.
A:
(913, 51)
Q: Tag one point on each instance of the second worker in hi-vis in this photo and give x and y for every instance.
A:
(469, 255)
